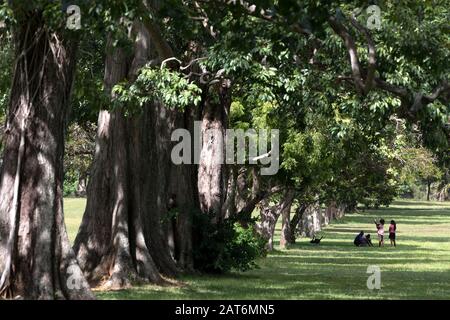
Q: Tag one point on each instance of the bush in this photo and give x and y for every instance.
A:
(70, 184)
(225, 246)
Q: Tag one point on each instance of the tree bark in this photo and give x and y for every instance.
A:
(242, 189)
(212, 175)
(428, 190)
(229, 208)
(36, 260)
(156, 127)
(121, 236)
(295, 221)
(285, 238)
(310, 223)
(183, 190)
(269, 216)
(443, 193)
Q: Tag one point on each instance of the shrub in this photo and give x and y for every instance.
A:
(225, 246)
(70, 184)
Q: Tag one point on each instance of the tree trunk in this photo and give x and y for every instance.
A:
(129, 186)
(247, 197)
(310, 224)
(443, 193)
(212, 177)
(295, 221)
(242, 189)
(81, 186)
(428, 190)
(36, 260)
(266, 226)
(331, 213)
(229, 208)
(121, 236)
(156, 127)
(183, 191)
(341, 210)
(269, 216)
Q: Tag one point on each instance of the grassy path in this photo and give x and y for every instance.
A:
(418, 268)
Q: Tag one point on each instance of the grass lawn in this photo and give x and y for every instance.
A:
(73, 213)
(419, 268)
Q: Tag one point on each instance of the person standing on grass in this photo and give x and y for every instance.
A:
(392, 230)
(380, 231)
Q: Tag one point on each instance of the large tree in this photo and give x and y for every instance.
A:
(37, 260)
(122, 235)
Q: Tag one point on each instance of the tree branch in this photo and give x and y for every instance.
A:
(261, 195)
(413, 102)
(350, 44)
(371, 54)
(162, 46)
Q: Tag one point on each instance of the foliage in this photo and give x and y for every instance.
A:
(6, 65)
(336, 144)
(169, 87)
(79, 153)
(419, 165)
(70, 184)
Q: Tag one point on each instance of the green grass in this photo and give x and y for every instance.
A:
(73, 213)
(419, 268)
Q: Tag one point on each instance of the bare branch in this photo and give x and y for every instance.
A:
(163, 64)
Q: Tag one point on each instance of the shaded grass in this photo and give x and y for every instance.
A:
(419, 268)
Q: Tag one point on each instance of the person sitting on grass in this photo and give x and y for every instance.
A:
(392, 230)
(367, 241)
(380, 231)
(359, 239)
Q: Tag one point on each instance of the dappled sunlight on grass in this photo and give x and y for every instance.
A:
(418, 268)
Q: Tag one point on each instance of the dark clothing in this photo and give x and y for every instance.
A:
(358, 240)
(392, 231)
(367, 242)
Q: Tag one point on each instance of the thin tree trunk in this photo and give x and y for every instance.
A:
(428, 190)
(266, 225)
(285, 238)
(443, 193)
(295, 221)
(36, 260)
(331, 213)
(269, 216)
(81, 186)
(310, 224)
(229, 208)
(242, 189)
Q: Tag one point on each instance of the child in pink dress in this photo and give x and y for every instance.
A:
(380, 231)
